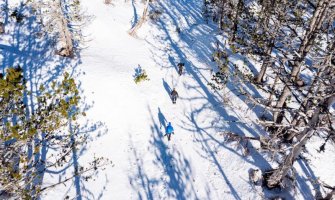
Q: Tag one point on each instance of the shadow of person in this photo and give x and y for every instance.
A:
(167, 87)
(162, 119)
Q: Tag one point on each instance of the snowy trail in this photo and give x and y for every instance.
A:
(126, 121)
(196, 163)
(147, 166)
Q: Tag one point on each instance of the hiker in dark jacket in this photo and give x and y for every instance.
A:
(174, 95)
(180, 68)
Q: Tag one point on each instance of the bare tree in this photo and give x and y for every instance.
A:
(268, 25)
(59, 18)
(138, 25)
(278, 175)
(319, 17)
(297, 31)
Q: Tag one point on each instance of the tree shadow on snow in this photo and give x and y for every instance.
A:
(193, 44)
(305, 189)
(135, 19)
(195, 35)
(174, 177)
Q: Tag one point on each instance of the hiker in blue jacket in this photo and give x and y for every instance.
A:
(169, 130)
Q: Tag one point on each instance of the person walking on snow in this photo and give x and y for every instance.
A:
(180, 68)
(174, 95)
(168, 131)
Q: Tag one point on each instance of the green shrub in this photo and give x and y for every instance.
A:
(142, 76)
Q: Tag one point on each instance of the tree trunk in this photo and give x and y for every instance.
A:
(66, 48)
(306, 44)
(278, 174)
(303, 105)
(329, 196)
(237, 15)
(138, 25)
(325, 67)
(309, 38)
(265, 65)
(267, 8)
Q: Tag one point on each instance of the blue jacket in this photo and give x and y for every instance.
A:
(169, 129)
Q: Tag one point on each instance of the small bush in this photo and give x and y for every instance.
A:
(140, 75)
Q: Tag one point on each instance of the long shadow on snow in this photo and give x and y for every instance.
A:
(176, 177)
(199, 38)
(140, 181)
(135, 19)
(196, 74)
(305, 190)
(202, 51)
(202, 45)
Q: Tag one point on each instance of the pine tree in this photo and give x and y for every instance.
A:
(24, 138)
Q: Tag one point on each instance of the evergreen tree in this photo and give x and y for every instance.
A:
(24, 137)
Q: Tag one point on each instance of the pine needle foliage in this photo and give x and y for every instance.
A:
(26, 131)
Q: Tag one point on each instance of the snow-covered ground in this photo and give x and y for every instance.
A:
(127, 120)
